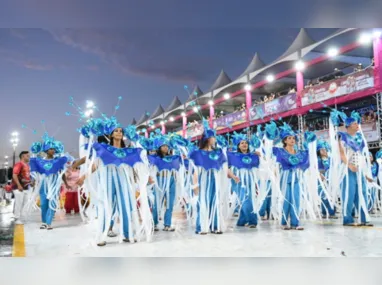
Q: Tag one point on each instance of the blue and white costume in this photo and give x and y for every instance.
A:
(244, 166)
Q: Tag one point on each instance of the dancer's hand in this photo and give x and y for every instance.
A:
(258, 153)
(151, 181)
(236, 179)
(80, 181)
(369, 179)
(322, 177)
(353, 168)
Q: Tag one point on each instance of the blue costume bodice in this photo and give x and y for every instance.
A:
(242, 160)
(170, 162)
(208, 159)
(374, 169)
(288, 161)
(323, 164)
(355, 142)
(48, 166)
(117, 156)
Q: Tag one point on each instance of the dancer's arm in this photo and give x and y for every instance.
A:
(79, 162)
(233, 176)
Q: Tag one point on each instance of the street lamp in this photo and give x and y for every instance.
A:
(14, 141)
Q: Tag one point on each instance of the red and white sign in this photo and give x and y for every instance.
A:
(342, 86)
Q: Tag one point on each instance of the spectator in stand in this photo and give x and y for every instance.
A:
(292, 90)
(21, 181)
(265, 99)
(373, 116)
(272, 97)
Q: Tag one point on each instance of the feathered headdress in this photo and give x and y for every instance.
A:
(208, 132)
(239, 137)
(336, 115)
(286, 131)
(47, 142)
(271, 131)
(321, 144)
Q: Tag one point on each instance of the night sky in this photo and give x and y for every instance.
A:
(147, 64)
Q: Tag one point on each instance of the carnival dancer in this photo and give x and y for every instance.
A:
(243, 163)
(267, 163)
(212, 184)
(293, 163)
(166, 169)
(353, 171)
(373, 190)
(323, 165)
(47, 173)
(115, 182)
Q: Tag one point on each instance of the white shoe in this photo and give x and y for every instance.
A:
(111, 234)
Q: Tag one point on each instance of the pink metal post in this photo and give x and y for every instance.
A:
(248, 103)
(184, 130)
(146, 133)
(212, 115)
(163, 129)
(377, 48)
(300, 87)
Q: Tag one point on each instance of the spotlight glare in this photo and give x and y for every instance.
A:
(248, 87)
(300, 65)
(210, 102)
(270, 78)
(89, 104)
(172, 119)
(333, 52)
(226, 96)
(377, 34)
(365, 38)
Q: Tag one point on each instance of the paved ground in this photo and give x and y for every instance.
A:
(70, 237)
(6, 230)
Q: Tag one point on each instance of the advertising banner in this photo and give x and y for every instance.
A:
(342, 86)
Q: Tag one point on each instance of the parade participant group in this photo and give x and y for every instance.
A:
(129, 186)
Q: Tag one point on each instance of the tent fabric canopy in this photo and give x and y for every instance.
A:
(143, 119)
(255, 64)
(174, 104)
(302, 40)
(221, 81)
(158, 111)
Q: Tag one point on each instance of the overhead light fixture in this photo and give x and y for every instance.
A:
(15, 134)
(172, 119)
(270, 78)
(365, 38)
(195, 109)
(247, 87)
(183, 114)
(300, 65)
(210, 102)
(162, 123)
(153, 127)
(89, 104)
(332, 52)
(226, 96)
(377, 34)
